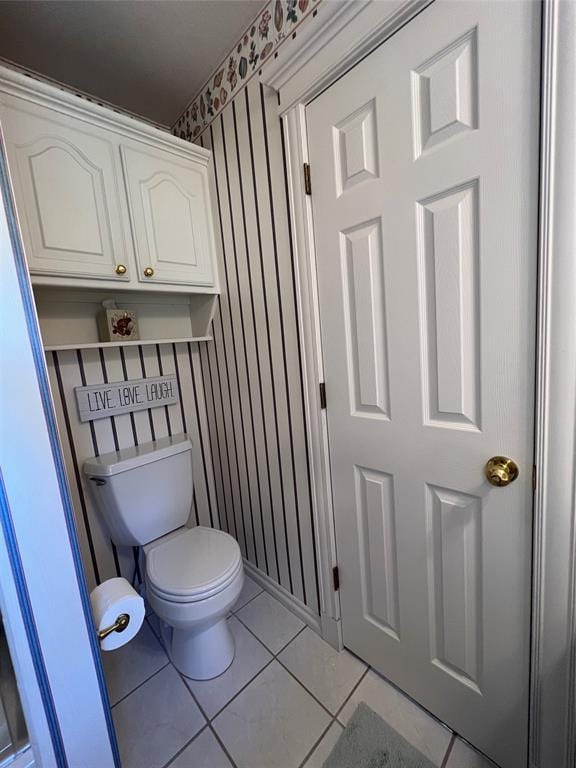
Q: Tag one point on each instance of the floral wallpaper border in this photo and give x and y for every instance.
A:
(273, 25)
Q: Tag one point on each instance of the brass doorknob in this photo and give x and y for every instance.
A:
(501, 471)
(120, 269)
(148, 272)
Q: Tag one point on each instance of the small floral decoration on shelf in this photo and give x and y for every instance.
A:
(274, 25)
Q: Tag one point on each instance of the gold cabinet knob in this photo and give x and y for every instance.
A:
(500, 471)
(120, 269)
(148, 272)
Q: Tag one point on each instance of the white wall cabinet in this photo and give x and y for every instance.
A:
(107, 204)
(68, 193)
(104, 197)
(167, 197)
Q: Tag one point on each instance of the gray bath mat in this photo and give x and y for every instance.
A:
(369, 742)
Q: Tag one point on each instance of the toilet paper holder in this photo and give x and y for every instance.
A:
(119, 626)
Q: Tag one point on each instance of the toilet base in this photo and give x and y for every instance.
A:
(204, 652)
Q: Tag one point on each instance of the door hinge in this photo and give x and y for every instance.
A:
(336, 578)
(322, 386)
(307, 179)
(534, 477)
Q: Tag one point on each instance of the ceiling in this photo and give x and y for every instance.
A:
(147, 56)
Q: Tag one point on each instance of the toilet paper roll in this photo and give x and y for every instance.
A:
(109, 600)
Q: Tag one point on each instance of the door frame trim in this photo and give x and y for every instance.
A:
(308, 317)
(553, 699)
(314, 63)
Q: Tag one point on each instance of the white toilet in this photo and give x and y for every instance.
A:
(193, 575)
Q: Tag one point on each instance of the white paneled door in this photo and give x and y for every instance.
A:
(424, 170)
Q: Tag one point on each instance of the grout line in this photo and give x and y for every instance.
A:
(273, 658)
(141, 684)
(422, 708)
(222, 745)
(448, 751)
(356, 684)
(309, 692)
(201, 731)
(235, 610)
(304, 628)
(274, 653)
(199, 705)
(156, 635)
(334, 718)
(280, 662)
(205, 715)
(351, 694)
(316, 744)
(219, 712)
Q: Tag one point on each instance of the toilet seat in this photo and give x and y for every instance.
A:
(198, 597)
(193, 565)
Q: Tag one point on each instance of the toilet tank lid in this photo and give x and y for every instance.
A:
(128, 458)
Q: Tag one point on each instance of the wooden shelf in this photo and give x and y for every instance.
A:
(104, 344)
(68, 317)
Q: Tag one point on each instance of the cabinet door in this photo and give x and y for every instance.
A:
(169, 205)
(67, 185)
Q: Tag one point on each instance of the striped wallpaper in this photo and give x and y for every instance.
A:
(252, 371)
(69, 369)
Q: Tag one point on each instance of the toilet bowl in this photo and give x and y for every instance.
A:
(193, 579)
(193, 575)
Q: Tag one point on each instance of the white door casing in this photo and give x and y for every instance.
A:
(425, 225)
(168, 199)
(67, 184)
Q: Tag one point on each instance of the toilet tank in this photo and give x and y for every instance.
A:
(143, 492)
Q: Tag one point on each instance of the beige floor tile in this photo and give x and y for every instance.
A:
(323, 750)
(156, 721)
(273, 624)
(328, 674)
(273, 723)
(249, 591)
(251, 657)
(204, 752)
(127, 667)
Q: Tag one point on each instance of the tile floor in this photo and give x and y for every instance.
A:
(282, 704)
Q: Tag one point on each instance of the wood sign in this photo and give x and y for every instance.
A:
(99, 401)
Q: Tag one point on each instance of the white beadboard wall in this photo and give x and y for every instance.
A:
(73, 368)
